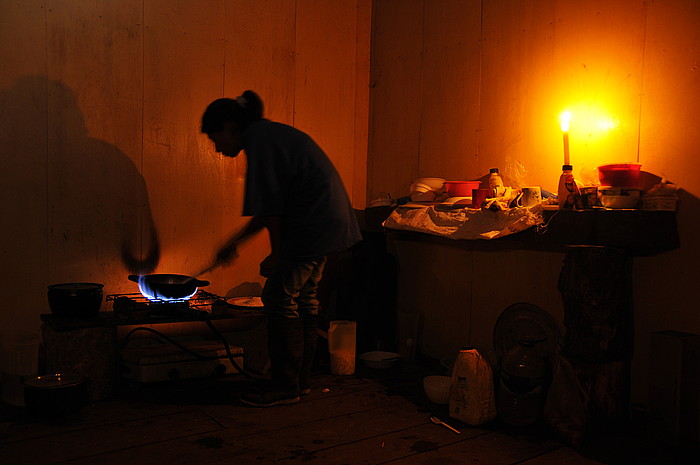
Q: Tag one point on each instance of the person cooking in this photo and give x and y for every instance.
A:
(294, 192)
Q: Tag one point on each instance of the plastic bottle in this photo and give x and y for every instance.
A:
(569, 190)
(472, 398)
(496, 183)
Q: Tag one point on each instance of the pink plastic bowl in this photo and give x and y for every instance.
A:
(461, 188)
(620, 175)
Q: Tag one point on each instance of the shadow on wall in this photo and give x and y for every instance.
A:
(80, 201)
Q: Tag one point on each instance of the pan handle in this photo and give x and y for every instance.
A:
(134, 277)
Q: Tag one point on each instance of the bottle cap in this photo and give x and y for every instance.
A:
(493, 170)
(567, 167)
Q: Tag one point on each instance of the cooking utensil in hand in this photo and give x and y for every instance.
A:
(437, 421)
(167, 286)
(207, 270)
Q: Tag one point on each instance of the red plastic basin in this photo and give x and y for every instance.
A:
(620, 175)
(461, 188)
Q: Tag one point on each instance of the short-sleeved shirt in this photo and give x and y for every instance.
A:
(290, 177)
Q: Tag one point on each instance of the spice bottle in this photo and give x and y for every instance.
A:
(496, 183)
(569, 190)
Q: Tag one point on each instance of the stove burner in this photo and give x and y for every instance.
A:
(136, 305)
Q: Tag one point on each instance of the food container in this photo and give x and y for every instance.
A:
(77, 300)
(620, 175)
(461, 188)
(380, 360)
(437, 388)
(342, 340)
(619, 198)
(55, 395)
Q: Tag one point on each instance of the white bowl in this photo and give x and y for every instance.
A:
(423, 196)
(437, 388)
(418, 187)
(435, 184)
(380, 360)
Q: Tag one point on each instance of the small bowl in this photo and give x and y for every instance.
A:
(380, 360)
(437, 388)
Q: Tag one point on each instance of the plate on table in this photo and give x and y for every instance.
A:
(526, 321)
(456, 202)
(414, 204)
(251, 302)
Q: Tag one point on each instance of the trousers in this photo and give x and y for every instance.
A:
(291, 290)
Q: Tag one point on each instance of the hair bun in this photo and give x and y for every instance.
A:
(253, 104)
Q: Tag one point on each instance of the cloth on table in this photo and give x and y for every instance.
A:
(464, 223)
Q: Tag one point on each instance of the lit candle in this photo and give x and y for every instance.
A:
(565, 118)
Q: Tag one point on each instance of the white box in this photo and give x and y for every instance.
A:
(167, 362)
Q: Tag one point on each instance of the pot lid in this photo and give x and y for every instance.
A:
(76, 286)
(54, 381)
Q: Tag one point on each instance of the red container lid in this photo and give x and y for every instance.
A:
(621, 166)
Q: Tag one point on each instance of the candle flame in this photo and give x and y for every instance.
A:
(564, 118)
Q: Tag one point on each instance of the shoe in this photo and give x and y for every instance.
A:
(286, 350)
(269, 398)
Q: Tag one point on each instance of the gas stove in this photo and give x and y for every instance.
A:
(135, 305)
(167, 359)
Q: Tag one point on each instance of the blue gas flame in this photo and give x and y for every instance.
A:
(152, 295)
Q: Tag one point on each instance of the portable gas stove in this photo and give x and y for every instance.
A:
(166, 359)
(160, 361)
(136, 306)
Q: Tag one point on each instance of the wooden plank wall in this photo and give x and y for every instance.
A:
(103, 163)
(459, 87)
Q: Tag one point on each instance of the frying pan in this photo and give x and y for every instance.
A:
(167, 286)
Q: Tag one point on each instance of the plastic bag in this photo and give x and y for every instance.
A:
(565, 408)
(472, 398)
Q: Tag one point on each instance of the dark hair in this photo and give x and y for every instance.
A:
(242, 111)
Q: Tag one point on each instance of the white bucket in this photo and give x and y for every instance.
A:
(19, 359)
(341, 345)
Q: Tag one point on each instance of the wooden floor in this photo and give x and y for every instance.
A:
(369, 418)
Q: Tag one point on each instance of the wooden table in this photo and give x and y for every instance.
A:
(595, 284)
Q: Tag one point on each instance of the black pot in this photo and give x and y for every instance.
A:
(167, 286)
(55, 395)
(77, 300)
